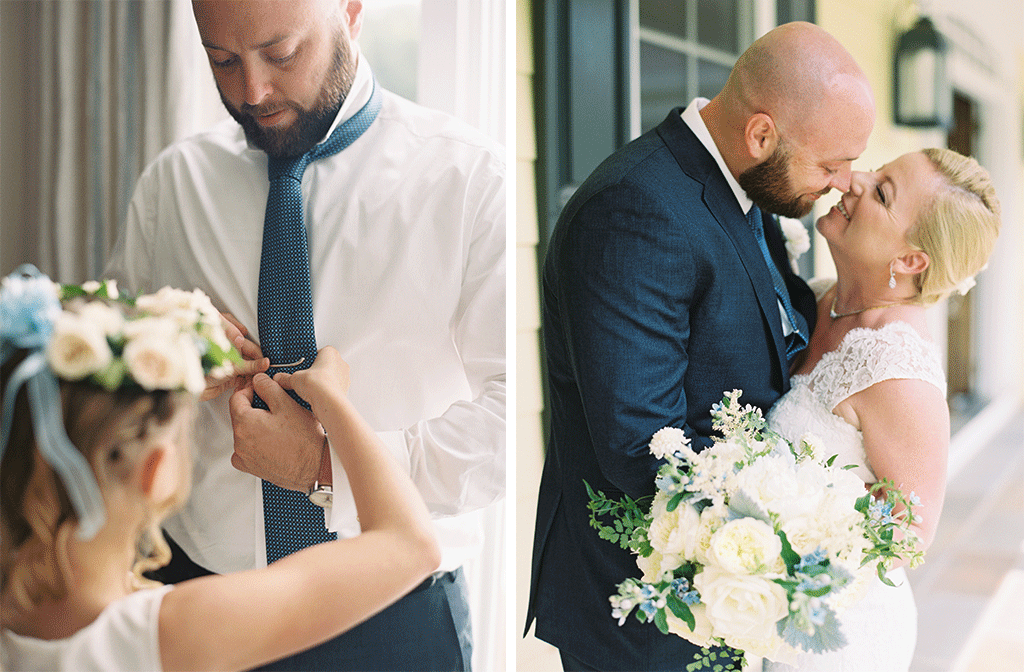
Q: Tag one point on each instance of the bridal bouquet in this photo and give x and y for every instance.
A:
(753, 543)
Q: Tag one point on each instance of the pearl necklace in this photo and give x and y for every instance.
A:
(835, 316)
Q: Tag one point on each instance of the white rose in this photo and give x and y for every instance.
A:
(711, 518)
(701, 634)
(656, 564)
(673, 532)
(78, 347)
(156, 361)
(741, 605)
(194, 379)
(804, 534)
(747, 546)
(109, 319)
(773, 648)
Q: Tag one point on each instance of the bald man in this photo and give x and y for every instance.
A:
(658, 298)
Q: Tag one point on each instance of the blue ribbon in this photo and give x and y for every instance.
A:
(27, 310)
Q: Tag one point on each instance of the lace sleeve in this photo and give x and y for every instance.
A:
(869, 356)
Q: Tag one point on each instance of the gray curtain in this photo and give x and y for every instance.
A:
(106, 85)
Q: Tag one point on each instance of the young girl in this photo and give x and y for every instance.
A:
(92, 463)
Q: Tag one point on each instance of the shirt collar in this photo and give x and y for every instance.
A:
(691, 117)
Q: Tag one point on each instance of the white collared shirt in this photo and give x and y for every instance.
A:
(406, 234)
(691, 117)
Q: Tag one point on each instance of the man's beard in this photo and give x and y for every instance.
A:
(311, 125)
(767, 184)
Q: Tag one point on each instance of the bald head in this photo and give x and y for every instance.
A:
(804, 79)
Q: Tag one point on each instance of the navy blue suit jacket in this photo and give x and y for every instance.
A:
(656, 301)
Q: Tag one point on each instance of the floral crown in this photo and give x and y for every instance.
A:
(170, 340)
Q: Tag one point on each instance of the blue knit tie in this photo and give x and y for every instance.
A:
(285, 316)
(797, 340)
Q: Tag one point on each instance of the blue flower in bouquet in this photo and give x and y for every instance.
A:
(681, 588)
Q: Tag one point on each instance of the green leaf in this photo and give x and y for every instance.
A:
(661, 621)
(681, 611)
(674, 502)
(789, 556)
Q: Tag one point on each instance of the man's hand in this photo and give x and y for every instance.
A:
(282, 445)
(253, 361)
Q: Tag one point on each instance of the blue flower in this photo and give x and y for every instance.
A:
(815, 557)
(28, 308)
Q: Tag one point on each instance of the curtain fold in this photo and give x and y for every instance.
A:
(117, 81)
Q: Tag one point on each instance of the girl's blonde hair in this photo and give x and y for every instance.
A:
(958, 229)
(115, 432)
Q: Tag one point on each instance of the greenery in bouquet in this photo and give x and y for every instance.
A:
(754, 544)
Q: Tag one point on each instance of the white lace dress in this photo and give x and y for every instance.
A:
(881, 628)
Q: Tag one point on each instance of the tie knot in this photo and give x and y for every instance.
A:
(278, 168)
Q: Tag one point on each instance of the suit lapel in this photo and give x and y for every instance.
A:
(696, 162)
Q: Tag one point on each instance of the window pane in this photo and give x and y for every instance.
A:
(668, 16)
(662, 83)
(712, 78)
(390, 41)
(716, 24)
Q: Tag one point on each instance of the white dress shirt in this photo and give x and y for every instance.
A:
(406, 234)
(691, 117)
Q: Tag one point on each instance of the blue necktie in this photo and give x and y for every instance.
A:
(797, 340)
(285, 317)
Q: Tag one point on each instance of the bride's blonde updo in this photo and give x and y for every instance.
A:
(958, 229)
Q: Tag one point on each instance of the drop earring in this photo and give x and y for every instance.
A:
(892, 277)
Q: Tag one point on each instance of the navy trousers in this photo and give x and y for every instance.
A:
(427, 630)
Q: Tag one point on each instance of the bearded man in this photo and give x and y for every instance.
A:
(334, 213)
(665, 285)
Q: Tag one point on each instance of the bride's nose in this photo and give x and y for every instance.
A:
(858, 182)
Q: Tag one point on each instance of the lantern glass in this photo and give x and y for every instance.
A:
(921, 92)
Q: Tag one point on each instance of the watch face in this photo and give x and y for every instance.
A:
(322, 496)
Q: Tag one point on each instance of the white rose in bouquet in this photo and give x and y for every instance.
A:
(673, 532)
(701, 635)
(747, 546)
(656, 565)
(742, 606)
(78, 348)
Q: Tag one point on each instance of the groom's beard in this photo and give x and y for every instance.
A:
(767, 184)
(311, 125)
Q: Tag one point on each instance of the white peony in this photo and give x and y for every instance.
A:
(701, 634)
(741, 606)
(747, 546)
(78, 347)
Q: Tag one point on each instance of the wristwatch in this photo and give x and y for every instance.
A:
(321, 493)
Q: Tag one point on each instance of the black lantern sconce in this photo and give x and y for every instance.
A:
(922, 95)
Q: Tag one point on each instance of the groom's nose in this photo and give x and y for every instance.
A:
(841, 178)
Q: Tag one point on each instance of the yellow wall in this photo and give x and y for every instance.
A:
(531, 653)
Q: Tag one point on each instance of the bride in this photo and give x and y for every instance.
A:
(872, 386)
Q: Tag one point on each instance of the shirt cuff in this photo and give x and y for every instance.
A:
(341, 517)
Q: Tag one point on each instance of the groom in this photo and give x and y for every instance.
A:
(658, 297)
